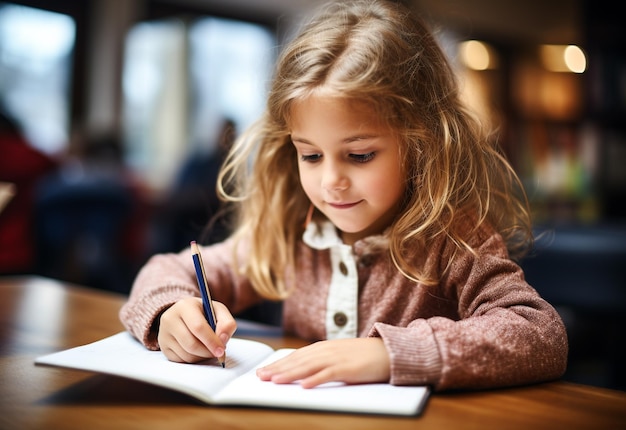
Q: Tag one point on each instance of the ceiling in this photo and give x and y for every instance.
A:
(516, 21)
(531, 21)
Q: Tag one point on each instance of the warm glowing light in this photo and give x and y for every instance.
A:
(477, 55)
(563, 58)
(575, 59)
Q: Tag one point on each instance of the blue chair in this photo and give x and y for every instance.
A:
(79, 229)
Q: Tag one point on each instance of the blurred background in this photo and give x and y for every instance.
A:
(116, 113)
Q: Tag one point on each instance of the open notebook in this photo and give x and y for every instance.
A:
(237, 383)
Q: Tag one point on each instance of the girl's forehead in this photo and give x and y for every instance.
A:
(338, 119)
(360, 107)
(347, 115)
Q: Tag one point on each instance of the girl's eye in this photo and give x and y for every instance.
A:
(363, 158)
(310, 158)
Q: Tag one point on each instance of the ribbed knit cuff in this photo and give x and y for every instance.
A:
(413, 353)
(140, 319)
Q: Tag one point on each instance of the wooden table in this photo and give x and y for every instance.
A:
(38, 316)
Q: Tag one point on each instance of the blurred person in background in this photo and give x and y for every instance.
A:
(88, 213)
(21, 167)
(192, 209)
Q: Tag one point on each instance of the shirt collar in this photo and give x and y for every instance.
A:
(322, 235)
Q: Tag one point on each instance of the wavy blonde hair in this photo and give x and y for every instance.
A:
(377, 52)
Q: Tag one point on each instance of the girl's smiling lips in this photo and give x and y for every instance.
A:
(343, 205)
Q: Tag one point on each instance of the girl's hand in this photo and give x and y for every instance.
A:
(352, 361)
(186, 336)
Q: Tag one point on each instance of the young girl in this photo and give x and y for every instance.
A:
(381, 215)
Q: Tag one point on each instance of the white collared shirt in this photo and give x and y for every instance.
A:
(342, 303)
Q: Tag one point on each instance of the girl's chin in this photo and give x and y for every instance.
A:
(351, 235)
(346, 228)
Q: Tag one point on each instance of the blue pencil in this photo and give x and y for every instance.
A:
(207, 302)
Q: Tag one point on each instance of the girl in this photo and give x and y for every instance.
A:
(381, 215)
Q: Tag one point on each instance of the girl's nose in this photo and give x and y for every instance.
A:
(334, 178)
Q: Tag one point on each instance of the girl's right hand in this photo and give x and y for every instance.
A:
(185, 336)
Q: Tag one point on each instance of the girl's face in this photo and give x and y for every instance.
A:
(349, 164)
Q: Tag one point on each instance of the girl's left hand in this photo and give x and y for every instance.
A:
(352, 361)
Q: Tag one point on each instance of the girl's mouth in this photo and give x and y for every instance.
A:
(343, 205)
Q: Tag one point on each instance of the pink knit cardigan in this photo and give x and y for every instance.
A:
(481, 326)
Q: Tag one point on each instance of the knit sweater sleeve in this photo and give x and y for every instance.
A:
(167, 278)
(505, 334)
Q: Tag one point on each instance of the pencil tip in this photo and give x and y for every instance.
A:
(223, 365)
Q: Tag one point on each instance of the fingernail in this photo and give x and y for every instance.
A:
(219, 352)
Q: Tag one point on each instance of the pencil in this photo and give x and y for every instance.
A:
(207, 302)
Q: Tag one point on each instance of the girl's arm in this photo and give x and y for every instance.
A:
(497, 332)
(506, 333)
(168, 278)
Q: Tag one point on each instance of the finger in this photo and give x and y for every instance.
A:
(297, 374)
(174, 351)
(203, 337)
(191, 347)
(226, 324)
(184, 331)
(181, 356)
(172, 356)
(185, 344)
(294, 367)
(318, 378)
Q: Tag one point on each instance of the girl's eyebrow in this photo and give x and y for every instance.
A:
(360, 137)
(299, 139)
(346, 140)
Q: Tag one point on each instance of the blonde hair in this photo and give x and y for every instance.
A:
(377, 52)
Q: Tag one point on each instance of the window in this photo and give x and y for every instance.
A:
(181, 79)
(36, 48)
